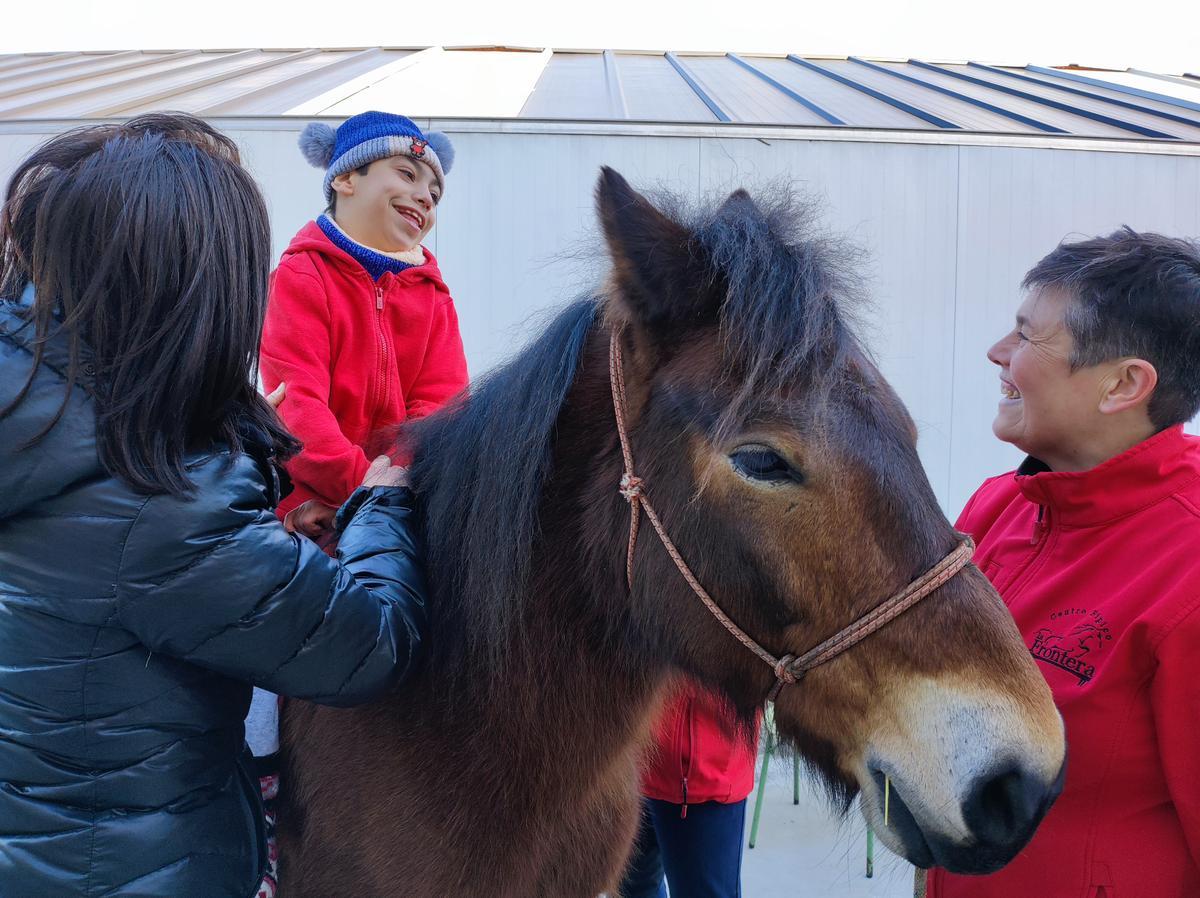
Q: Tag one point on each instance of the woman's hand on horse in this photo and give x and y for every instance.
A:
(313, 519)
(383, 473)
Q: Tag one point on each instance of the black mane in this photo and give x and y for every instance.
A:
(479, 470)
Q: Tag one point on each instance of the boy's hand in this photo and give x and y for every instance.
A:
(383, 473)
(313, 519)
(276, 397)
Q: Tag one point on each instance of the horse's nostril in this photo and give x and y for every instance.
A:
(1003, 807)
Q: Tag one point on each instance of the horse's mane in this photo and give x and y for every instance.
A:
(479, 470)
(481, 466)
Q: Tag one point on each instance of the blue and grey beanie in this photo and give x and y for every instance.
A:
(369, 136)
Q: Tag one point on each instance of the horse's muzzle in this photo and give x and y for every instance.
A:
(1001, 809)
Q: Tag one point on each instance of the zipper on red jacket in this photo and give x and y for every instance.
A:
(1039, 526)
(383, 347)
(685, 767)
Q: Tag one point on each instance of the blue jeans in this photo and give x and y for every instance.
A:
(700, 855)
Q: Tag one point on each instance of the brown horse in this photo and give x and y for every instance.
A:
(785, 470)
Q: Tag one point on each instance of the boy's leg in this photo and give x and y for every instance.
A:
(268, 784)
(262, 735)
(702, 852)
(644, 875)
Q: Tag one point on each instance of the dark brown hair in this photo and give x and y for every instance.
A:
(148, 247)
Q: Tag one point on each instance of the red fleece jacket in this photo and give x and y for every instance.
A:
(1101, 570)
(698, 754)
(358, 356)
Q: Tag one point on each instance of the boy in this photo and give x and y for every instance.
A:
(360, 328)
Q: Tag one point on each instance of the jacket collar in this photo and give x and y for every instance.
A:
(17, 325)
(1137, 478)
(311, 238)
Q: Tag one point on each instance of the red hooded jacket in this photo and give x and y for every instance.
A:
(698, 755)
(1101, 570)
(358, 356)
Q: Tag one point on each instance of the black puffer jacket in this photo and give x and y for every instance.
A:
(131, 630)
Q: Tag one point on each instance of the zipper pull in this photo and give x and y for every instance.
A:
(683, 811)
(1039, 526)
(379, 299)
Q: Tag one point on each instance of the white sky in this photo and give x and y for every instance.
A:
(1160, 35)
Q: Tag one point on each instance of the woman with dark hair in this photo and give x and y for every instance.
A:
(145, 582)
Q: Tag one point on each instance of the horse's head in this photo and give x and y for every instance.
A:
(785, 469)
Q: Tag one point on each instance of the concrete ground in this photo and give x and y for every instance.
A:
(805, 851)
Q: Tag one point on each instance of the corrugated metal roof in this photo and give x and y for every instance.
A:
(605, 85)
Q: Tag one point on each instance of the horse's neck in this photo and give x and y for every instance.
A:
(580, 670)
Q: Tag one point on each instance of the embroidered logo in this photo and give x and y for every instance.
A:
(418, 147)
(1072, 644)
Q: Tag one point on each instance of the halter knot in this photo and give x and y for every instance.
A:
(631, 487)
(783, 670)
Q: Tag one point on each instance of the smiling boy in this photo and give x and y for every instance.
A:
(360, 325)
(362, 330)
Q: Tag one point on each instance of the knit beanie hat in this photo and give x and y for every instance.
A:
(368, 136)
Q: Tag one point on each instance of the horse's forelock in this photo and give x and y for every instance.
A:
(788, 315)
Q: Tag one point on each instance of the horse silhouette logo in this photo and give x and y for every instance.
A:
(1069, 651)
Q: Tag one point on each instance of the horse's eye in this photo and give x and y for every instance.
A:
(761, 463)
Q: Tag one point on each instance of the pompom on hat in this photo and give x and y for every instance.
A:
(369, 136)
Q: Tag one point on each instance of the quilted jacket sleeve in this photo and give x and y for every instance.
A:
(218, 582)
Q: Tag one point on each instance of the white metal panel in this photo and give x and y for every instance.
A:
(1049, 90)
(1183, 88)
(483, 83)
(277, 88)
(1147, 84)
(654, 92)
(31, 62)
(63, 74)
(961, 112)
(745, 96)
(843, 101)
(1069, 122)
(573, 86)
(89, 94)
(320, 103)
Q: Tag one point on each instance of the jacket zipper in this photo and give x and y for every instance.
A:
(685, 766)
(1039, 526)
(1039, 539)
(381, 373)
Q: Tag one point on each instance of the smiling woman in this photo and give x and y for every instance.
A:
(1092, 543)
(1064, 413)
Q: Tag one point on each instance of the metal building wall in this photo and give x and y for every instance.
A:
(949, 224)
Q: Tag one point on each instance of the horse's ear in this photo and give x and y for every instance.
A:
(653, 256)
(739, 203)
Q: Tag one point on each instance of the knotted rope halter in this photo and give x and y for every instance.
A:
(788, 669)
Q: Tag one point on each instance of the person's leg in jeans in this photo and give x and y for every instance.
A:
(644, 875)
(702, 852)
